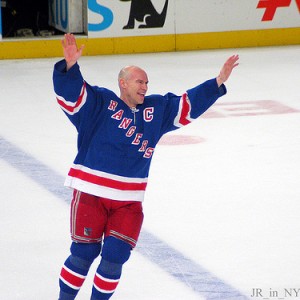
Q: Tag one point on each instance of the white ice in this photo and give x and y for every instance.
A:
(230, 204)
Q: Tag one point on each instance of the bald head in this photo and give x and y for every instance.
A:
(126, 72)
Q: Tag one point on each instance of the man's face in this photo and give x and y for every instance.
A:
(134, 87)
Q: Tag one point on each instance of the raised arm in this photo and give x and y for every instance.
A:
(227, 68)
(71, 52)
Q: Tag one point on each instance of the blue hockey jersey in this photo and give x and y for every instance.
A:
(116, 143)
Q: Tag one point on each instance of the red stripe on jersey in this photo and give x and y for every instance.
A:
(111, 183)
(72, 279)
(71, 108)
(185, 110)
(105, 285)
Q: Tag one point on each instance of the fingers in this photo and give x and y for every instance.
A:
(70, 46)
(225, 72)
(68, 40)
(232, 61)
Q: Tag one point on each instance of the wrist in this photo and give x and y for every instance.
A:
(70, 64)
(220, 80)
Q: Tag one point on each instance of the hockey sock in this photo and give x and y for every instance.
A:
(106, 280)
(75, 269)
(115, 253)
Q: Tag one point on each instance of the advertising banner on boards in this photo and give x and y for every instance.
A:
(119, 18)
(130, 18)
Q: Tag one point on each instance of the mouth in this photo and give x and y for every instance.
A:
(142, 95)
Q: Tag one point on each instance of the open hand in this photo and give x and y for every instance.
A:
(227, 68)
(71, 52)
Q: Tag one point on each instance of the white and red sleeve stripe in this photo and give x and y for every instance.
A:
(183, 116)
(73, 107)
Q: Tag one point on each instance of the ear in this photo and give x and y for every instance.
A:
(122, 83)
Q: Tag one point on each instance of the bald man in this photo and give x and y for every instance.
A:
(117, 136)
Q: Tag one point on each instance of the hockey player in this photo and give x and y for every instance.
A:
(117, 136)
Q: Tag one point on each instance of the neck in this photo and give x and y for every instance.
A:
(127, 102)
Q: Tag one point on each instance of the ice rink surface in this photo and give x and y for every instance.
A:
(222, 207)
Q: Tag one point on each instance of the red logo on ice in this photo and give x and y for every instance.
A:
(272, 5)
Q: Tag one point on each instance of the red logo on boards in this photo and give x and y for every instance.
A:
(271, 6)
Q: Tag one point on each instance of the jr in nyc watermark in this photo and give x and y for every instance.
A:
(275, 294)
